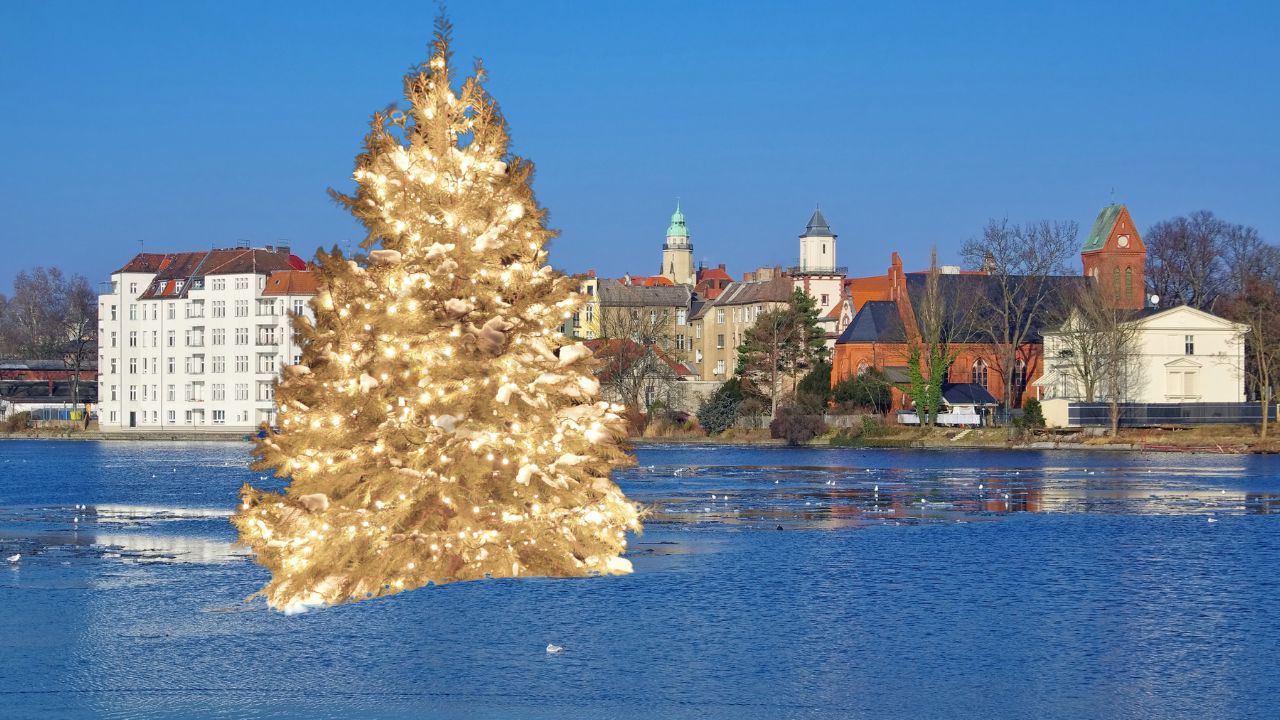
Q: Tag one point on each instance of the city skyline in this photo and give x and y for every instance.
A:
(200, 133)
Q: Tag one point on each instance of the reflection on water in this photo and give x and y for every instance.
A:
(904, 585)
(844, 496)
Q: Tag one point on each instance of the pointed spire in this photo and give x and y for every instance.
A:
(677, 227)
(818, 226)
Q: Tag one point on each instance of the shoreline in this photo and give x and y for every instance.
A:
(1236, 446)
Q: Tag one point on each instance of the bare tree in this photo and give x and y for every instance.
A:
(1258, 307)
(1105, 352)
(1022, 262)
(633, 346)
(80, 331)
(36, 312)
(943, 319)
(1200, 259)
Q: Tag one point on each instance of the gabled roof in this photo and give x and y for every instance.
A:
(877, 322)
(613, 293)
(777, 290)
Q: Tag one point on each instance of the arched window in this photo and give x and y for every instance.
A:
(863, 368)
(978, 375)
(1115, 281)
(1128, 281)
(1019, 379)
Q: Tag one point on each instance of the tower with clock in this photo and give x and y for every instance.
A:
(1114, 256)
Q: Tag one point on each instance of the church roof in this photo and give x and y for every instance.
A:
(818, 226)
(877, 321)
(1102, 227)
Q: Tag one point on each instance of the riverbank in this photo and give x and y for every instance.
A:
(1225, 439)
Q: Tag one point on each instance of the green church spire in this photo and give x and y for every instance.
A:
(677, 227)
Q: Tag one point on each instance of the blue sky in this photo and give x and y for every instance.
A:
(190, 125)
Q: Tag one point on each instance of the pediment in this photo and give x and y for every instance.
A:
(1183, 362)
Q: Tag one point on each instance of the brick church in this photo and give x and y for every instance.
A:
(883, 310)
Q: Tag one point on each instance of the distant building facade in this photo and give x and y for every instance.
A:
(196, 340)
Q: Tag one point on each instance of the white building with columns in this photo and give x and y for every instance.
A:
(194, 341)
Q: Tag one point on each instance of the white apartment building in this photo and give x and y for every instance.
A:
(195, 341)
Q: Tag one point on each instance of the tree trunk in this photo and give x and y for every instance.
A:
(1115, 417)
(1266, 407)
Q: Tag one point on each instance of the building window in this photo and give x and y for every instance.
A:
(113, 312)
(172, 311)
(720, 341)
(242, 283)
(299, 306)
(113, 412)
(863, 368)
(1019, 379)
(219, 391)
(133, 290)
(1128, 281)
(242, 363)
(719, 316)
(1115, 282)
(173, 338)
(680, 342)
(1189, 344)
(133, 366)
(219, 363)
(219, 308)
(266, 392)
(825, 300)
(242, 336)
(113, 366)
(219, 336)
(113, 338)
(266, 363)
(173, 417)
(133, 392)
(242, 391)
(219, 417)
(266, 336)
(978, 374)
(719, 367)
(172, 392)
(133, 338)
(242, 308)
(113, 392)
(591, 314)
(682, 316)
(172, 364)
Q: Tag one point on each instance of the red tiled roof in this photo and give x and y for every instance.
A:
(291, 282)
(172, 268)
(608, 347)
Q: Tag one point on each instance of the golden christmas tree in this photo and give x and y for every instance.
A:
(438, 428)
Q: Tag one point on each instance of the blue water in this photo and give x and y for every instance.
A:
(814, 584)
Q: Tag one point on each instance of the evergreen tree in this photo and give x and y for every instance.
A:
(438, 428)
(780, 345)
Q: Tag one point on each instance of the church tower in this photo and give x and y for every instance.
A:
(677, 252)
(1114, 256)
(817, 246)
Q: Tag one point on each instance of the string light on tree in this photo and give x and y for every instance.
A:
(438, 428)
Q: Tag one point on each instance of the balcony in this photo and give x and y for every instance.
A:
(268, 340)
(817, 270)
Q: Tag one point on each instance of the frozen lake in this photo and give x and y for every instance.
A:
(770, 583)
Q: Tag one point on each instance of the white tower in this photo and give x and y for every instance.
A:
(818, 246)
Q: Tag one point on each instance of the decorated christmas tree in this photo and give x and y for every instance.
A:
(438, 427)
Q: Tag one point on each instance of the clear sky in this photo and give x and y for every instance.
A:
(186, 125)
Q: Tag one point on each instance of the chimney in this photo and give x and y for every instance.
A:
(282, 249)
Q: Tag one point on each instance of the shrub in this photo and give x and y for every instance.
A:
(869, 390)
(796, 426)
(718, 413)
(17, 422)
(1032, 414)
(816, 384)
